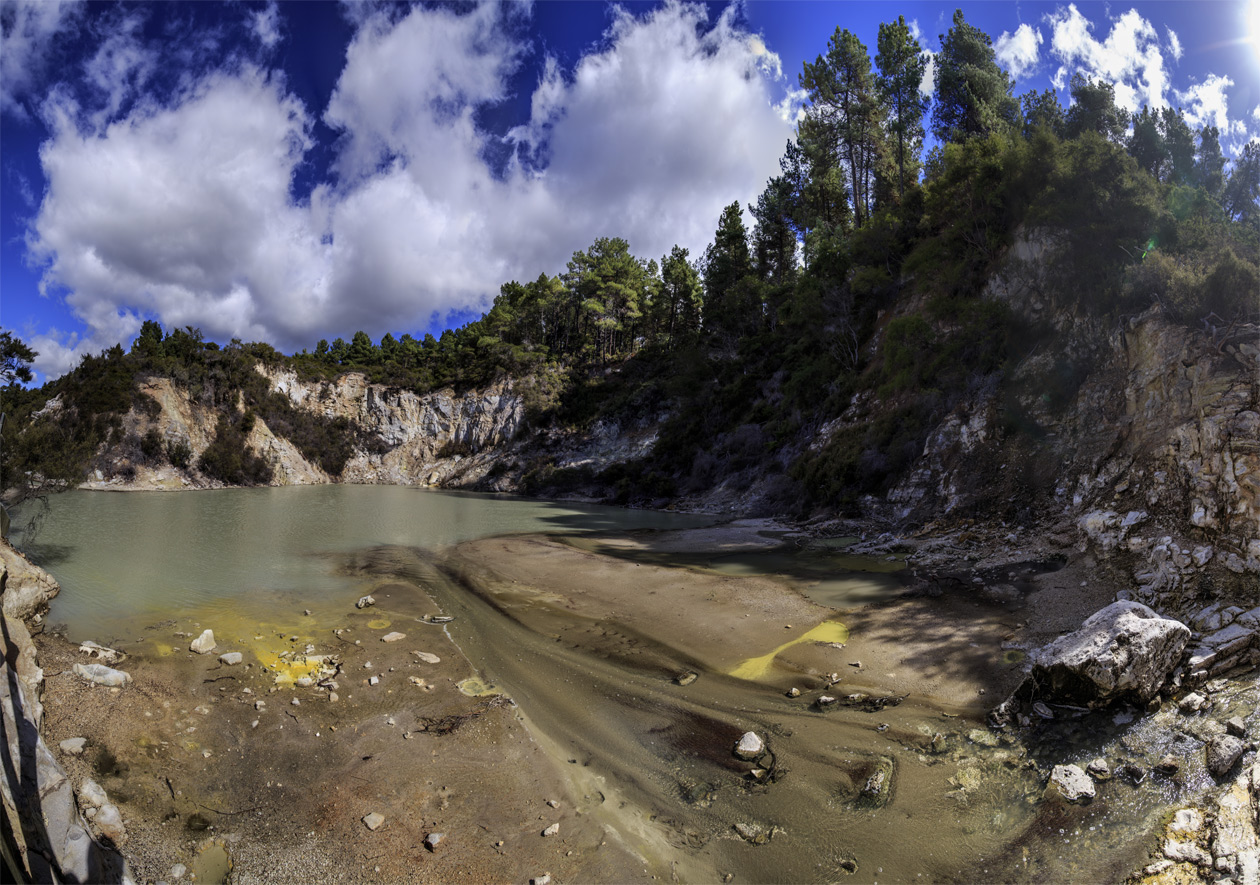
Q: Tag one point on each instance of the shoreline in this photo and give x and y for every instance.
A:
(483, 767)
(144, 728)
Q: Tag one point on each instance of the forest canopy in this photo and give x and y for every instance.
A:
(864, 265)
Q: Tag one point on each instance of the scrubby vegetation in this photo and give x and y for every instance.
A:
(866, 274)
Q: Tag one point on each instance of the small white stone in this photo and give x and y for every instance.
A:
(73, 746)
(552, 830)
(393, 637)
(231, 658)
(375, 680)
(750, 746)
(373, 820)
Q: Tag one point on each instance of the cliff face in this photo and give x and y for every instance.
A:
(1138, 441)
(43, 832)
(1153, 465)
(426, 438)
(437, 439)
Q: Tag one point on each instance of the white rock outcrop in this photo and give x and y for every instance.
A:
(1125, 649)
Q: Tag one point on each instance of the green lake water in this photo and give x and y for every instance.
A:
(122, 557)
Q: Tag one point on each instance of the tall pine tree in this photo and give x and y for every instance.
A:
(847, 115)
(901, 67)
(973, 94)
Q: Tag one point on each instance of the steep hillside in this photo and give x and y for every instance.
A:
(1151, 460)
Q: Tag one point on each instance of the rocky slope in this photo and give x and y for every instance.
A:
(1154, 468)
(436, 439)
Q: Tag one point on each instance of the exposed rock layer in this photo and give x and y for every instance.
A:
(43, 830)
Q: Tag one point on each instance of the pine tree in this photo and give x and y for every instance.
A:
(973, 94)
(848, 115)
(901, 68)
(726, 262)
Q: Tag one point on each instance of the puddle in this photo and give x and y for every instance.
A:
(213, 863)
(755, 668)
(475, 687)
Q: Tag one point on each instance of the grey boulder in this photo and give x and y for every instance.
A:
(1123, 650)
(1222, 752)
(1071, 783)
(102, 675)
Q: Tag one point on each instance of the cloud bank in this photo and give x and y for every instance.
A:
(1131, 58)
(184, 210)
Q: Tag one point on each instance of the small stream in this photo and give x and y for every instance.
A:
(865, 790)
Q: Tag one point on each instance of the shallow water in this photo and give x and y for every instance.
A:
(961, 803)
(120, 557)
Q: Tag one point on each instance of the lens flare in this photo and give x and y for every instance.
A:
(1251, 22)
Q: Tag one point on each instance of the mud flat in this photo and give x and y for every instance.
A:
(579, 721)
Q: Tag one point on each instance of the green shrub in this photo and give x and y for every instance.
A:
(229, 458)
(151, 445)
(179, 453)
(865, 459)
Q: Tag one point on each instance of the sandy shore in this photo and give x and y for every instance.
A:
(194, 751)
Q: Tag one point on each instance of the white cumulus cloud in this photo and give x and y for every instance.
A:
(184, 211)
(1174, 44)
(1130, 58)
(1020, 51)
(1205, 104)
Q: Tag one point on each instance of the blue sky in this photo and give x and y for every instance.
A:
(295, 171)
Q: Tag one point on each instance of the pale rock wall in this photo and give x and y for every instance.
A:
(417, 433)
(416, 429)
(43, 832)
(1188, 464)
(29, 587)
(1155, 462)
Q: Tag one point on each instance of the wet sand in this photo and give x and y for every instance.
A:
(574, 716)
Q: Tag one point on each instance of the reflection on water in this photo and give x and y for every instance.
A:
(119, 556)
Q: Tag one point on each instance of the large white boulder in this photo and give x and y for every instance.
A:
(1125, 649)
